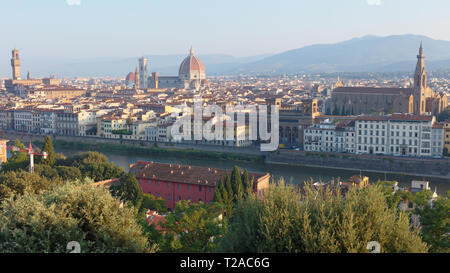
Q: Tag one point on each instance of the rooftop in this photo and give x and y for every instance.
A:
(185, 174)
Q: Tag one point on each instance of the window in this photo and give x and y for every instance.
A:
(178, 186)
(168, 197)
(199, 188)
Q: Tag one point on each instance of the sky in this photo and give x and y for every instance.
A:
(73, 29)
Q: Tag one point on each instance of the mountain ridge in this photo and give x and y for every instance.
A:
(370, 53)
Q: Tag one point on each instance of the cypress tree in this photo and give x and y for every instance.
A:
(48, 147)
(246, 183)
(218, 196)
(229, 189)
(236, 182)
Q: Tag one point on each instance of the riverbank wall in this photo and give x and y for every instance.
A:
(421, 167)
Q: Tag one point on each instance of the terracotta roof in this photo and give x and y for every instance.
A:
(190, 64)
(396, 117)
(403, 117)
(130, 77)
(374, 90)
(153, 218)
(372, 118)
(184, 174)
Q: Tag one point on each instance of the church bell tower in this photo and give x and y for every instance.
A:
(420, 84)
(15, 64)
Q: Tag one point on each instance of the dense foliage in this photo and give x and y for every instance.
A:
(192, 228)
(232, 189)
(320, 220)
(21, 182)
(46, 222)
(435, 223)
(128, 190)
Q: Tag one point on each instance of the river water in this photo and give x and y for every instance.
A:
(292, 174)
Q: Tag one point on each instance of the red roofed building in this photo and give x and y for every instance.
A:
(175, 183)
(153, 218)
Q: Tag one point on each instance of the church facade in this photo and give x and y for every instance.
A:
(191, 75)
(419, 100)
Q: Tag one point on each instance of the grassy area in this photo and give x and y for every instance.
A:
(156, 151)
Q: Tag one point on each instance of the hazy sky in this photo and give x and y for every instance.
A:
(100, 28)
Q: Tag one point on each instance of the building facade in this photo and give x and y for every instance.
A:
(176, 183)
(419, 99)
(396, 135)
(447, 137)
(191, 75)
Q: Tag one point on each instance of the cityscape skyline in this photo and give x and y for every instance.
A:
(236, 127)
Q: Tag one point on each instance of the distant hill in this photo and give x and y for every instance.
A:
(366, 54)
(166, 65)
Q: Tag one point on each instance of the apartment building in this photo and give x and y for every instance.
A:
(330, 137)
(397, 135)
(23, 121)
(6, 119)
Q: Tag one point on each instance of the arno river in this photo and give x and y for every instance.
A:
(292, 174)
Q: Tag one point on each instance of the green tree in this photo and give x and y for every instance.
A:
(128, 190)
(193, 228)
(435, 223)
(150, 202)
(21, 182)
(228, 196)
(18, 160)
(48, 148)
(69, 173)
(46, 171)
(236, 182)
(38, 223)
(320, 220)
(218, 193)
(387, 187)
(101, 171)
(248, 185)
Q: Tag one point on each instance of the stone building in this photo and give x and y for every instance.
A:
(419, 100)
(191, 75)
(17, 83)
(293, 119)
